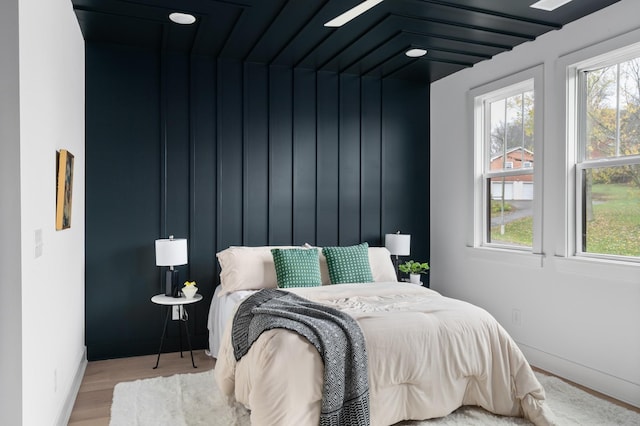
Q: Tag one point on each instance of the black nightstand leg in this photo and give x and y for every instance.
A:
(181, 311)
(164, 331)
(186, 331)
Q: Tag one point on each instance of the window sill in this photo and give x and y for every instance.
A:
(512, 257)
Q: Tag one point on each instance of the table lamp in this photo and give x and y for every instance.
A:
(171, 252)
(398, 245)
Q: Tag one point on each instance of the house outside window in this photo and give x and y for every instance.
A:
(607, 158)
(506, 133)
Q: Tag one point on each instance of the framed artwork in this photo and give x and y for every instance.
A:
(64, 187)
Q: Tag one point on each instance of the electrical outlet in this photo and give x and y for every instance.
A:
(175, 312)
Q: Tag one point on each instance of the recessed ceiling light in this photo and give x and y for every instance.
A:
(415, 53)
(182, 18)
(352, 13)
(549, 5)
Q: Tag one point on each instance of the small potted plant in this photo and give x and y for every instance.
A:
(414, 269)
(189, 290)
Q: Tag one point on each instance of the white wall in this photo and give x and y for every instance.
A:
(579, 319)
(46, 293)
(10, 325)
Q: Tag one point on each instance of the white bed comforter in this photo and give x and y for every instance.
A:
(428, 355)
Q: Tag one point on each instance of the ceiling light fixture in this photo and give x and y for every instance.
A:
(415, 53)
(182, 18)
(549, 5)
(352, 13)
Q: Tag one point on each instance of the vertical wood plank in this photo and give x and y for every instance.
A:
(202, 232)
(327, 159)
(229, 154)
(177, 146)
(405, 139)
(370, 174)
(122, 210)
(349, 161)
(256, 155)
(281, 156)
(304, 157)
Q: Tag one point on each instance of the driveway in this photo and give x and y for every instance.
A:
(520, 209)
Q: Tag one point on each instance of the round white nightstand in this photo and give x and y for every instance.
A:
(168, 301)
(161, 299)
(406, 280)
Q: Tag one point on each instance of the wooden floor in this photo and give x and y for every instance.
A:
(93, 404)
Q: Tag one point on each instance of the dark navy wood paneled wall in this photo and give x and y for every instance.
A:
(229, 153)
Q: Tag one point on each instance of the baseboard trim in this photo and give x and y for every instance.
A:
(615, 387)
(67, 409)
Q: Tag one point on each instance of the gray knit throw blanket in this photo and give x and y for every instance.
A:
(336, 336)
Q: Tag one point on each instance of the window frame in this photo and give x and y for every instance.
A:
(577, 161)
(532, 78)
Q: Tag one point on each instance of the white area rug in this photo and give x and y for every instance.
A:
(194, 400)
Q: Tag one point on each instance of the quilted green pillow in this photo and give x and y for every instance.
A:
(297, 267)
(348, 264)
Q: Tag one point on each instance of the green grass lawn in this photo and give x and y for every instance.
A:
(519, 232)
(615, 228)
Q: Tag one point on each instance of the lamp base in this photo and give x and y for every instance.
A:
(395, 266)
(172, 288)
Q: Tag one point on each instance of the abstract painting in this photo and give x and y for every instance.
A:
(64, 188)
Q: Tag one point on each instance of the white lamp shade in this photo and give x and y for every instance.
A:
(398, 244)
(171, 252)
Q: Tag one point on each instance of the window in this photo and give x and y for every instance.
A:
(607, 165)
(505, 139)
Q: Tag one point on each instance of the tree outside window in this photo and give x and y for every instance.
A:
(509, 166)
(608, 167)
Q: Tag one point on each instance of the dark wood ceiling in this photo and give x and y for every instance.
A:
(291, 33)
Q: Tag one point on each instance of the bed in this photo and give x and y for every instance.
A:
(427, 356)
(245, 270)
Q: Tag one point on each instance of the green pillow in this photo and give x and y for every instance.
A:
(297, 267)
(348, 264)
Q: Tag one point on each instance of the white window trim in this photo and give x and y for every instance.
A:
(477, 216)
(617, 49)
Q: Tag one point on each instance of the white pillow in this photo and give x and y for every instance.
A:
(247, 268)
(382, 267)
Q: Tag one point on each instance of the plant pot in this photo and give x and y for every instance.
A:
(189, 291)
(414, 278)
